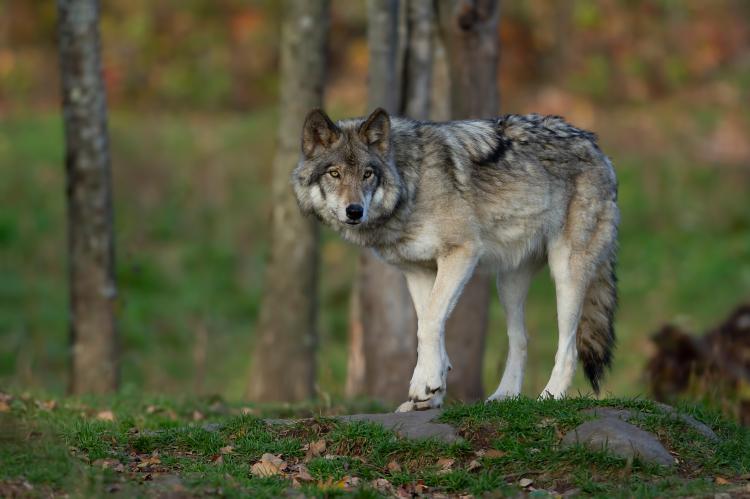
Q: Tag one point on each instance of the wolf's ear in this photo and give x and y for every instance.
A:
(318, 132)
(376, 131)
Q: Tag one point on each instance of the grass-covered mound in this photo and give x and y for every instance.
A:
(160, 446)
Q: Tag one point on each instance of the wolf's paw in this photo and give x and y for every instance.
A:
(502, 395)
(427, 387)
(434, 402)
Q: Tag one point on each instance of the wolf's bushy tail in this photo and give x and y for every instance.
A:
(595, 338)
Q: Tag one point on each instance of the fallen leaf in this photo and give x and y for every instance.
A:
(268, 465)
(348, 483)
(720, 480)
(393, 466)
(151, 409)
(229, 449)
(248, 410)
(473, 464)
(105, 415)
(4, 407)
(445, 464)
(111, 464)
(382, 485)
(494, 453)
(149, 460)
(49, 405)
(302, 474)
(217, 459)
(314, 449)
(198, 416)
(525, 482)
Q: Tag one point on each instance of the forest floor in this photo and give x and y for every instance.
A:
(129, 446)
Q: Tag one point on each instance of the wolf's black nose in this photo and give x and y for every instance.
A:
(354, 211)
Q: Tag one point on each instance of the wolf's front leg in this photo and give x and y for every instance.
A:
(428, 383)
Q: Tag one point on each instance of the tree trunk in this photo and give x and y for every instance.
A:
(94, 367)
(283, 364)
(469, 32)
(382, 339)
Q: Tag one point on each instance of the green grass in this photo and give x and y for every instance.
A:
(192, 209)
(156, 444)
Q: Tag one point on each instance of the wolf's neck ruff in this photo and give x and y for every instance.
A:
(436, 198)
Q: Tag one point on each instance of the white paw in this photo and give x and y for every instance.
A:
(428, 385)
(433, 402)
(551, 393)
(503, 395)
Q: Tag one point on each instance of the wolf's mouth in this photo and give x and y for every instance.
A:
(352, 222)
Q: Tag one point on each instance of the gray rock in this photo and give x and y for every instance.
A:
(609, 412)
(701, 428)
(620, 438)
(627, 414)
(416, 424)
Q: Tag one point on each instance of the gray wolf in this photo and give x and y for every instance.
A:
(441, 200)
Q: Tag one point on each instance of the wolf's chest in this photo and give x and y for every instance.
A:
(421, 244)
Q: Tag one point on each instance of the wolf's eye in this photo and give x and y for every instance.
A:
(334, 173)
(368, 173)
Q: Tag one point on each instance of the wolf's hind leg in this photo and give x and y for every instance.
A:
(428, 383)
(512, 288)
(570, 289)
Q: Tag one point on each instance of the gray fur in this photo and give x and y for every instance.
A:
(514, 189)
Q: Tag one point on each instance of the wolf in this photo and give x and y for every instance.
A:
(443, 200)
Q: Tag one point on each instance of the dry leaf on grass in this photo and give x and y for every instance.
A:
(445, 464)
(198, 416)
(346, 483)
(105, 415)
(149, 461)
(48, 405)
(525, 482)
(411, 489)
(268, 465)
(393, 466)
(314, 449)
(217, 459)
(228, 449)
(494, 453)
(111, 464)
(720, 480)
(301, 473)
(473, 465)
(4, 406)
(382, 485)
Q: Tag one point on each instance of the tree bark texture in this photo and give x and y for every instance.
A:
(469, 33)
(283, 362)
(382, 326)
(94, 367)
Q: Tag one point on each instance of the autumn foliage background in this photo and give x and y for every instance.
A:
(193, 86)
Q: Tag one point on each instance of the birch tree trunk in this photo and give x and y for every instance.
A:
(469, 32)
(283, 362)
(91, 257)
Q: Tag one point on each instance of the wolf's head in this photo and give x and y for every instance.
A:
(346, 174)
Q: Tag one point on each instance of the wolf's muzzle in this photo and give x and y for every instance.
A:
(354, 212)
